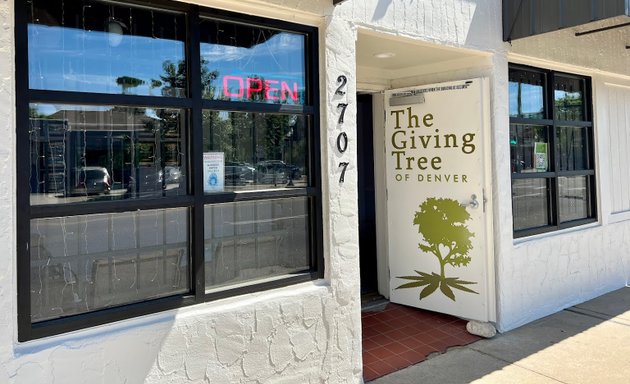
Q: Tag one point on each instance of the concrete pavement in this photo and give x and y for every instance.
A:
(588, 343)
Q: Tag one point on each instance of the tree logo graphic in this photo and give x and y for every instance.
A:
(441, 224)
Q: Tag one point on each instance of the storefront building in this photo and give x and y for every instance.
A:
(202, 192)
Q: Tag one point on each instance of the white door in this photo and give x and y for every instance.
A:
(438, 208)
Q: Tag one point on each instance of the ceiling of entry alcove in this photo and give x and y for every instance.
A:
(410, 58)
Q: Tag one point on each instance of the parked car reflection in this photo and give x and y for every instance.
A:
(239, 173)
(277, 172)
(92, 180)
(150, 181)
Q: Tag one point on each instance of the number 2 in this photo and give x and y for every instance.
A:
(343, 80)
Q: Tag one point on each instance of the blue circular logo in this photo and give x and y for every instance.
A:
(213, 180)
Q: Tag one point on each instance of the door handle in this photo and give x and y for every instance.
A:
(473, 203)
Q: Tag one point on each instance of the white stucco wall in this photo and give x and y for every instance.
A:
(540, 275)
(311, 332)
(543, 274)
(304, 333)
(8, 308)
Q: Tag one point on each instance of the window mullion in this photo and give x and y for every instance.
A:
(23, 176)
(196, 156)
(555, 188)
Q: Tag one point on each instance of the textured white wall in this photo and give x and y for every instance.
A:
(7, 191)
(311, 332)
(543, 274)
(470, 23)
(298, 334)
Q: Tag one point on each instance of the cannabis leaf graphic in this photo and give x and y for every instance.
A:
(441, 224)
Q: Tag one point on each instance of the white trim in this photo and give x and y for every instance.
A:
(618, 217)
(616, 85)
(516, 58)
(586, 227)
(264, 9)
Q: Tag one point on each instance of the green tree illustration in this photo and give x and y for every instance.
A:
(441, 222)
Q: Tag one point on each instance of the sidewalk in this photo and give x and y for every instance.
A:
(587, 343)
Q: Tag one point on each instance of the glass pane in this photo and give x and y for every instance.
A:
(530, 203)
(572, 148)
(527, 94)
(253, 241)
(89, 153)
(249, 63)
(247, 151)
(574, 198)
(106, 47)
(569, 99)
(84, 263)
(529, 151)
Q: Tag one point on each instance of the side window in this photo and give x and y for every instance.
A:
(551, 148)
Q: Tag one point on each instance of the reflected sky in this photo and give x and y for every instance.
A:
(72, 59)
(532, 104)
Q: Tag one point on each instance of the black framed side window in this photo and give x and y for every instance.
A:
(168, 155)
(552, 150)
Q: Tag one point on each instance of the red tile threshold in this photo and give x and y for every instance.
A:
(397, 336)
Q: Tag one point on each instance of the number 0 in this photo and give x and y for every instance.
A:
(342, 142)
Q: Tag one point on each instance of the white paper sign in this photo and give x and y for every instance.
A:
(213, 171)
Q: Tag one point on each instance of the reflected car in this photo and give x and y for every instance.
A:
(92, 180)
(272, 172)
(239, 173)
(233, 175)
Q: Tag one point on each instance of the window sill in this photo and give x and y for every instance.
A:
(527, 239)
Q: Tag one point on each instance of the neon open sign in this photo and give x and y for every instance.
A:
(251, 88)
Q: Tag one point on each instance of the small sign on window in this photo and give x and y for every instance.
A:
(540, 156)
(213, 171)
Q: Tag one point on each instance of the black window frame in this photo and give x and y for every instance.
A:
(553, 174)
(195, 200)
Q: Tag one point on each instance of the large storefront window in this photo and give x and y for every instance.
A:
(106, 47)
(551, 145)
(85, 153)
(260, 151)
(170, 157)
(245, 63)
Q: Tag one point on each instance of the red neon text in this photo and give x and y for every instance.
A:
(247, 87)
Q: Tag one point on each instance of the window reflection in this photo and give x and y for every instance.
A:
(574, 198)
(248, 241)
(91, 153)
(529, 150)
(254, 151)
(569, 98)
(572, 148)
(84, 263)
(530, 203)
(96, 46)
(526, 94)
(248, 63)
